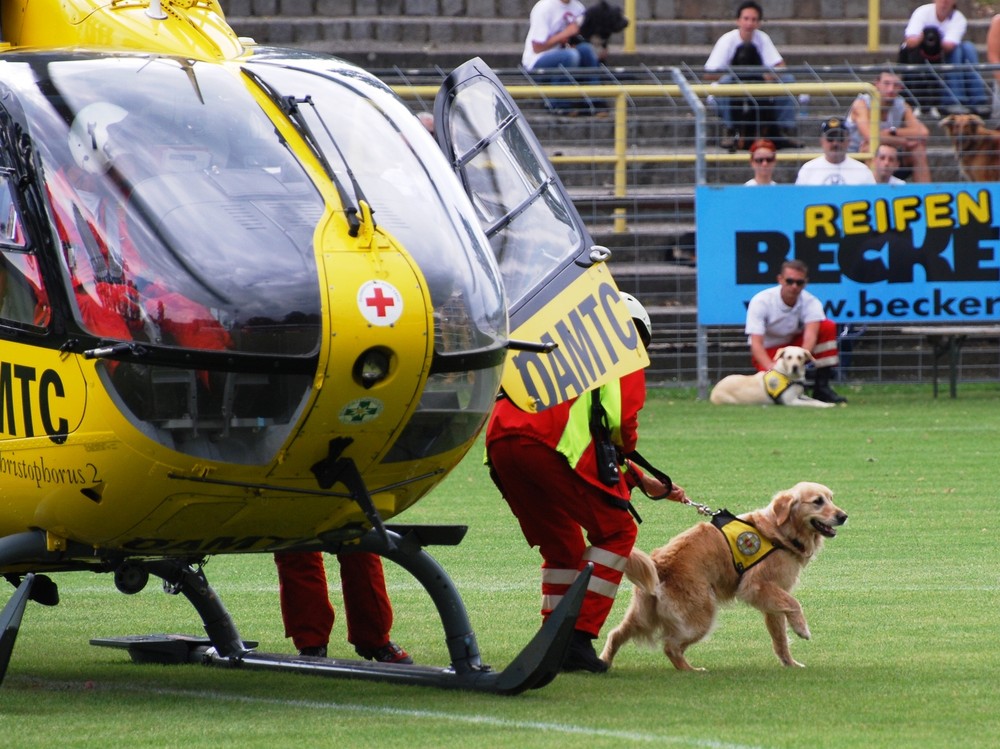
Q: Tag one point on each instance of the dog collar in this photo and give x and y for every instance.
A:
(748, 547)
(776, 383)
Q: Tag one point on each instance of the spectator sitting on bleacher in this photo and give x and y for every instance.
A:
(834, 167)
(788, 315)
(730, 50)
(899, 126)
(885, 164)
(762, 159)
(993, 57)
(554, 41)
(935, 34)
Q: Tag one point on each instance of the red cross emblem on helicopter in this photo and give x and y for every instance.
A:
(380, 302)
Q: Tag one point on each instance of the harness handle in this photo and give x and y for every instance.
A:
(635, 457)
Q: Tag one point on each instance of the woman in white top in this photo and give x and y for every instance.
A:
(762, 159)
(749, 16)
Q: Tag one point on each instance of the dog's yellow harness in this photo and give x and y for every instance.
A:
(745, 542)
(776, 383)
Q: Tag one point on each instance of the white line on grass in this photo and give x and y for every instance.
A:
(392, 711)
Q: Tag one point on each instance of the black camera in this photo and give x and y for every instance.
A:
(931, 46)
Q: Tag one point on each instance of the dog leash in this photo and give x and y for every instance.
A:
(665, 479)
(702, 509)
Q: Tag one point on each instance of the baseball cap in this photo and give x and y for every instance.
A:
(832, 125)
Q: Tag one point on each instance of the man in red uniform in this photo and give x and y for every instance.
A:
(545, 466)
(308, 614)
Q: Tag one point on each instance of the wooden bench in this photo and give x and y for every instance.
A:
(948, 339)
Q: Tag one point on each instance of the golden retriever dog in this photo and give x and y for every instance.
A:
(977, 146)
(788, 386)
(679, 586)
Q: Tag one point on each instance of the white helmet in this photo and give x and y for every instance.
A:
(639, 316)
(88, 135)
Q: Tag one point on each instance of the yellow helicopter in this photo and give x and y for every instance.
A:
(249, 304)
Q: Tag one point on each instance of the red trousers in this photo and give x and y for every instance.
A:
(555, 507)
(305, 601)
(826, 352)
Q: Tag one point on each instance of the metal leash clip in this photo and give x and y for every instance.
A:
(702, 509)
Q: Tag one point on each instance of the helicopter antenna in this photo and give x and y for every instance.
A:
(155, 10)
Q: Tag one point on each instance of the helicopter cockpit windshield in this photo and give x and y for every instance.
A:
(392, 163)
(184, 227)
(177, 206)
(187, 230)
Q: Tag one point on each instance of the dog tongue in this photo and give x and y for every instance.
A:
(826, 530)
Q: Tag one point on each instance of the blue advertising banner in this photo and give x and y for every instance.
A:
(903, 254)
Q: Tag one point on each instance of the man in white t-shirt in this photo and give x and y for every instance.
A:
(727, 52)
(886, 164)
(554, 42)
(935, 34)
(834, 167)
(788, 315)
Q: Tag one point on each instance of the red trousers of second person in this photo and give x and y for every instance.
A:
(307, 612)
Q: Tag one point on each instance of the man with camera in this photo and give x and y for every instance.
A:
(554, 43)
(935, 34)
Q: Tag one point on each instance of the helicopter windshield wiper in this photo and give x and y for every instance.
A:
(292, 109)
(290, 106)
(116, 349)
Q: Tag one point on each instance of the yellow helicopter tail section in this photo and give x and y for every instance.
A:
(194, 28)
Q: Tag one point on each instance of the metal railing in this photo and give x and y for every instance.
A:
(632, 175)
(622, 154)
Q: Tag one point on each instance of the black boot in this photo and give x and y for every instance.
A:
(581, 655)
(822, 390)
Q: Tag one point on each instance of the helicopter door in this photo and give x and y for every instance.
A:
(559, 288)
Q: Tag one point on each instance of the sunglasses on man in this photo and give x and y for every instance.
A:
(794, 281)
(763, 159)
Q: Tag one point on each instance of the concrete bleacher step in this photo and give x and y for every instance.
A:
(444, 33)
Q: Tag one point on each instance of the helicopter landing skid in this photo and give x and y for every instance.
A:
(10, 621)
(536, 665)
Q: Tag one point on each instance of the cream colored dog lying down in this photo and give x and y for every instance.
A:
(756, 558)
(782, 385)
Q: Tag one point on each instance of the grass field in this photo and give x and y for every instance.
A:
(903, 607)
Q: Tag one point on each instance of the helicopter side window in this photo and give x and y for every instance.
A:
(11, 228)
(22, 296)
